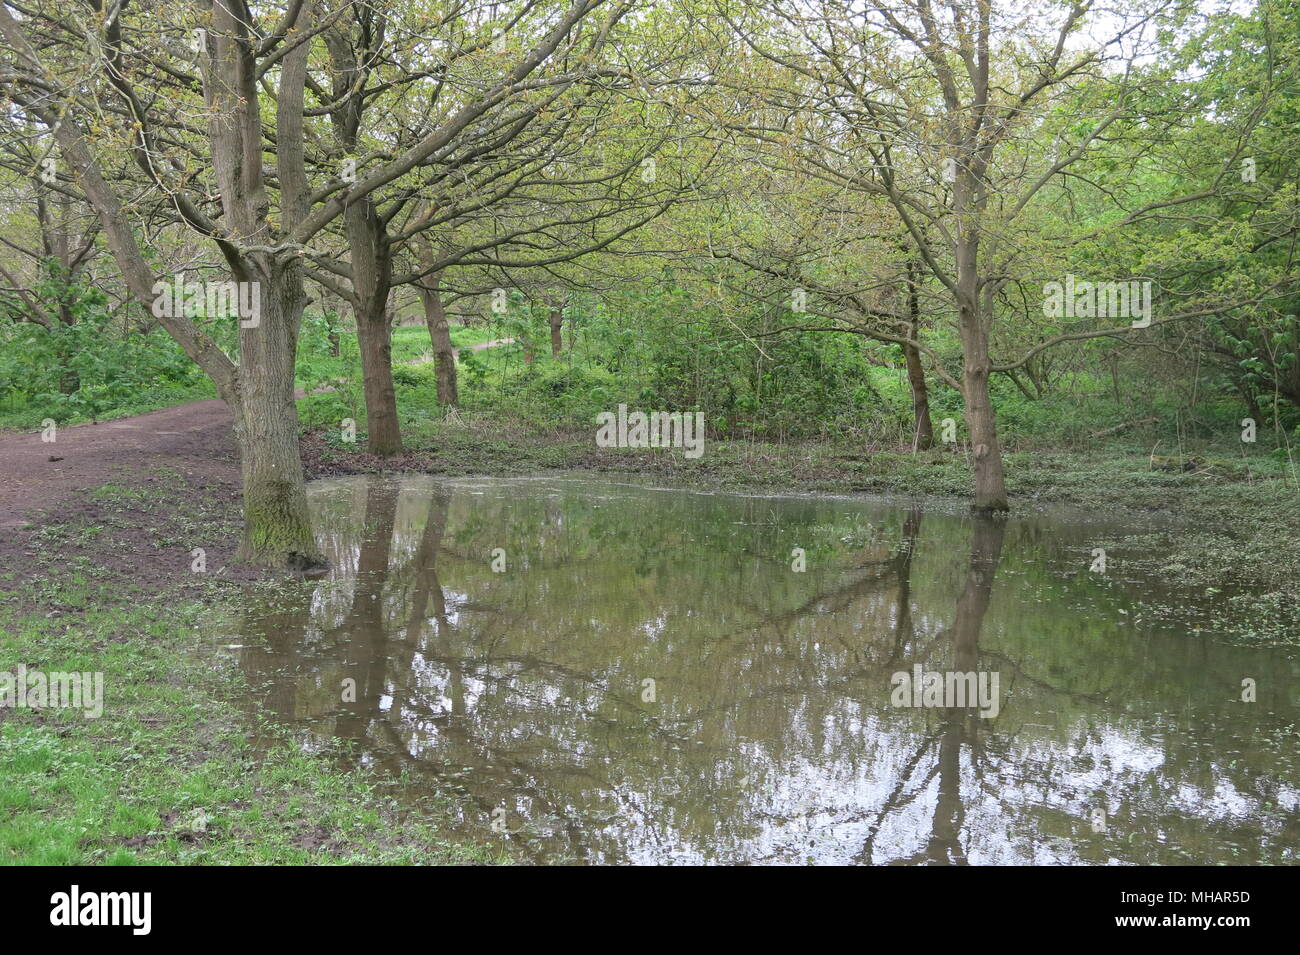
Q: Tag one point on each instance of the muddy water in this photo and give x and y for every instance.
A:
(645, 676)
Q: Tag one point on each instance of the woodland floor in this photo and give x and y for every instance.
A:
(96, 533)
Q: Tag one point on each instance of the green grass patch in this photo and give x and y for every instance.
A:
(178, 770)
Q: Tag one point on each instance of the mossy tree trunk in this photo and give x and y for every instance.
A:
(277, 523)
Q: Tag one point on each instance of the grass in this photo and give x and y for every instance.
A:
(169, 774)
(181, 767)
(411, 342)
(462, 336)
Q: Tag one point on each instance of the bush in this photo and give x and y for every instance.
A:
(92, 368)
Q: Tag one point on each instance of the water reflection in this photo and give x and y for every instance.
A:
(768, 733)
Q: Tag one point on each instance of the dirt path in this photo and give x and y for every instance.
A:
(195, 439)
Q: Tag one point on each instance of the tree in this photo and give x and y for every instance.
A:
(523, 184)
(947, 113)
(139, 95)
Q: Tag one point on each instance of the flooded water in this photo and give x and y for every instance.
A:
(616, 673)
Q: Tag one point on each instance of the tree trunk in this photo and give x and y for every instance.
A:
(428, 590)
(973, 603)
(974, 317)
(923, 427)
(444, 355)
(332, 332)
(557, 323)
(981, 423)
(960, 723)
(375, 341)
(367, 653)
(277, 524)
(371, 278)
(904, 631)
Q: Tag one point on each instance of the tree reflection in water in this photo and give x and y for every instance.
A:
(771, 737)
